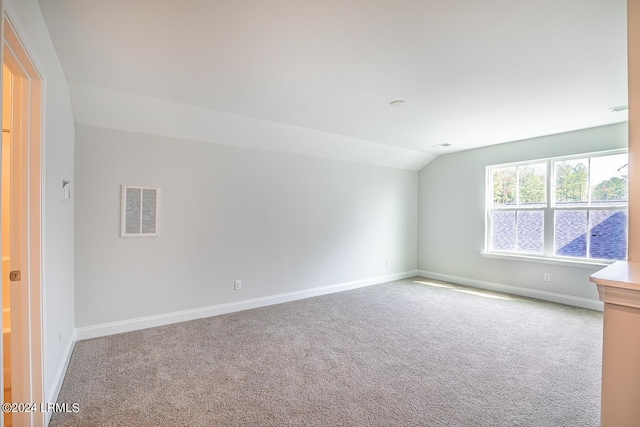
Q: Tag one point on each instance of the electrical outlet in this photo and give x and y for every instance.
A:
(237, 285)
(547, 277)
(387, 263)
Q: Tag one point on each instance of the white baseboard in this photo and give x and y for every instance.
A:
(517, 290)
(52, 396)
(105, 329)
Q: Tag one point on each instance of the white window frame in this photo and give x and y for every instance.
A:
(548, 255)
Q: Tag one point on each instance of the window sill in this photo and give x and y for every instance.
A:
(594, 265)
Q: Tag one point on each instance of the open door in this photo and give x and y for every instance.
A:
(26, 344)
(5, 216)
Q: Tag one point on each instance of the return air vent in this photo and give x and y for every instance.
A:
(139, 211)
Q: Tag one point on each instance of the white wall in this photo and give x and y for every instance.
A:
(58, 164)
(452, 219)
(279, 222)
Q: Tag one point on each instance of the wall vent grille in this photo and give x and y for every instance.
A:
(139, 211)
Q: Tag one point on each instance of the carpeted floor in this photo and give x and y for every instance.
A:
(403, 353)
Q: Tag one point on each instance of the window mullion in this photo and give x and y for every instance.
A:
(487, 237)
(548, 213)
(517, 189)
(589, 210)
(589, 183)
(588, 234)
(517, 207)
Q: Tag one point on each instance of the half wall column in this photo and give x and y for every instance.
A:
(619, 283)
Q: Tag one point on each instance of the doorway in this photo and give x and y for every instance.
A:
(5, 204)
(20, 214)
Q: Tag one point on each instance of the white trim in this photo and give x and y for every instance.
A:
(543, 260)
(20, 47)
(19, 29)
(517, 290)
(111, 328)
(59, 378)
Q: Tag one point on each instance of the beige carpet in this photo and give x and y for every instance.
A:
(397, 354)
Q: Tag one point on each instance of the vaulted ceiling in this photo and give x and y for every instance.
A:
(317, 76)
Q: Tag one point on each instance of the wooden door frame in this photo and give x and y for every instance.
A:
(18, 60)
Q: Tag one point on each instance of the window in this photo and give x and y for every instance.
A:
(570, 207)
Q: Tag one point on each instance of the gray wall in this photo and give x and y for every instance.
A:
(452, 217)
(279, 222)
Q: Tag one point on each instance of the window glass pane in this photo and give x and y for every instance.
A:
(533, 183)
(571, 233)
(608, 231)
(503, 230)
(504, 186)
(572, 177)
(531, 231)
(609, 180)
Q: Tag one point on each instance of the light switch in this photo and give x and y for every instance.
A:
(66, 191)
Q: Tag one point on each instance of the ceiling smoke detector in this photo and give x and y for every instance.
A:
(446, 144)
(397, 103)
